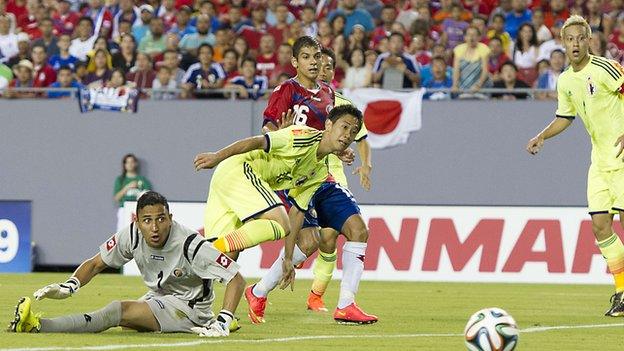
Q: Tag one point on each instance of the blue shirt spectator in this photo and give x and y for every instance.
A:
(439, 78)
(514, 20)
(354, 16)
(195, 74)
(57, 62)
(64, 79)
(256, 89)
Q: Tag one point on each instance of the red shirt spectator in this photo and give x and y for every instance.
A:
(388, 16)
(558, 12)
(144, 74)
(267, 58)
(64, 19)
(284, 53)
(252, 34)
(44, 74)
(17, 8)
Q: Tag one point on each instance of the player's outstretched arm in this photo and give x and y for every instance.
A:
(83, 275)
(208, 160)
(365, 169)
(296, 218)
(558, 125)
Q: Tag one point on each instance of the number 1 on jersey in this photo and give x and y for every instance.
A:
(300, 114)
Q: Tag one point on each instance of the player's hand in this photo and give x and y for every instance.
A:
(347, 156)
(206, 160)
(620, 141)
(288, 275)
(364, 173)
(58, 291)
(535, 145)
(287, 119)
(215, 330)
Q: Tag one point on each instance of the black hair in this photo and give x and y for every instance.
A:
(498, 15)
(304, 42)
(205, 45)
(339, 111)
(496, 37)
(232, 51)
(329, 52)
(509, 63)
(86, 18)
(170, 51)
(557, 51)
(438, 58)
(248, 59)
(151, 198)
(532, 40)
(65, 68)
(120, 71)
(396, 34)
(123, 164)
(351, 54)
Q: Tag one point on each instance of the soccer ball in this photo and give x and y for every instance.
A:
(491, 329)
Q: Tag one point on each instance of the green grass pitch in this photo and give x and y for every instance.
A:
(413, 316)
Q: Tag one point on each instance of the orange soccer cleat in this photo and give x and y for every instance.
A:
(315, 302)
(352, 314)
(256, 305)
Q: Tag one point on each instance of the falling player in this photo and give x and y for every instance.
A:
(178, 266)
(592, 88)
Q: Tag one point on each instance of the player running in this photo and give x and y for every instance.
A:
(242, 209)
(592, 88)
(178, 266)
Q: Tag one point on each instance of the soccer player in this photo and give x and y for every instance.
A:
(178, 266)
(242, 209)
(592, 88)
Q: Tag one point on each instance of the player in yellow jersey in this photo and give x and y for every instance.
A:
(325, 262)
(242, 209)
(592, 88)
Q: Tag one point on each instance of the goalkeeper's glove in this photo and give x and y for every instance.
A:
(58, 291)
(218, 327)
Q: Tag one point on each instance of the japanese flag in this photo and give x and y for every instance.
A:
(389, 116)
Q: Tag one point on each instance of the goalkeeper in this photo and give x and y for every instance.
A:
(178, 266)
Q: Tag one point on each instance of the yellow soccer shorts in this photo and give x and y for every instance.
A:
(236, 194)
(605, 190)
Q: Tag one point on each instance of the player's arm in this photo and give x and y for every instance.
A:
(364, 170)
(81, 277)
(558, 125)
(209, 160)
(296, 217)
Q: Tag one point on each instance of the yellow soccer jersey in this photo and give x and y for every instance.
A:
(593, 94)
(290, 162)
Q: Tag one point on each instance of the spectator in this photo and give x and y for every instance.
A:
(84, 41)
(418, 49)
(128, 186)
(153, 43)
(81, 72)
(554, 44)
(205, 74)
(242, 48)
(168, 13)
(446, 11)
(222, 43)
(496, 58)
(338, 23)
(143, 73)
(284, 65)
(353, 16)
(595, 16)
(63, 58)
(23, 79)
(249, 85)
(395, 68)
(470, 63)
(525, 53)
(206, 7)
(281, 29)
(127, 13)
(615, 46)
(440, 79)
(44, 74)
(100, 44)
(253, 33)
(5, 76)
(510, 82)
(183, 25)
(125, 58)
(518, 16)
(100, 73)
(117, 79)
(236, 19)
(308, 21)
(498, 30)
(480, 22)
(357, 39)
(267, 57)
(548, 79)
(64, 19)
(101, 17)
(598, 44)
(64, 79)
(124, 27)
(164, 85)
(230, 64)
(274, 11)
(8, 40)
(409, 13)
(503, 9)
(17, 8)
(9, 15)
(453, 27)
(358, 74)
(47, 39)
(190, 42)
(23, 50)
(31, 24)
(171, 60)
(388, 17)
(558, 12)
(325, 36)
(543, 33)
(140, 29)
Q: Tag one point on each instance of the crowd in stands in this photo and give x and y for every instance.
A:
(184, 48)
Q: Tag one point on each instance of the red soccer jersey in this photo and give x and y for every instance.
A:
(310, 106)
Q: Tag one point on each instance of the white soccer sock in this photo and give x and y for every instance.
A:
(271, 279)
(225, 317)
(352, 268)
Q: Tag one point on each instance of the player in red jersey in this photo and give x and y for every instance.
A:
(310, 100)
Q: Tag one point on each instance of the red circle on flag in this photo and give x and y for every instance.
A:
(382, 116)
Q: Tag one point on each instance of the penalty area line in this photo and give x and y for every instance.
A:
(296, 338)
